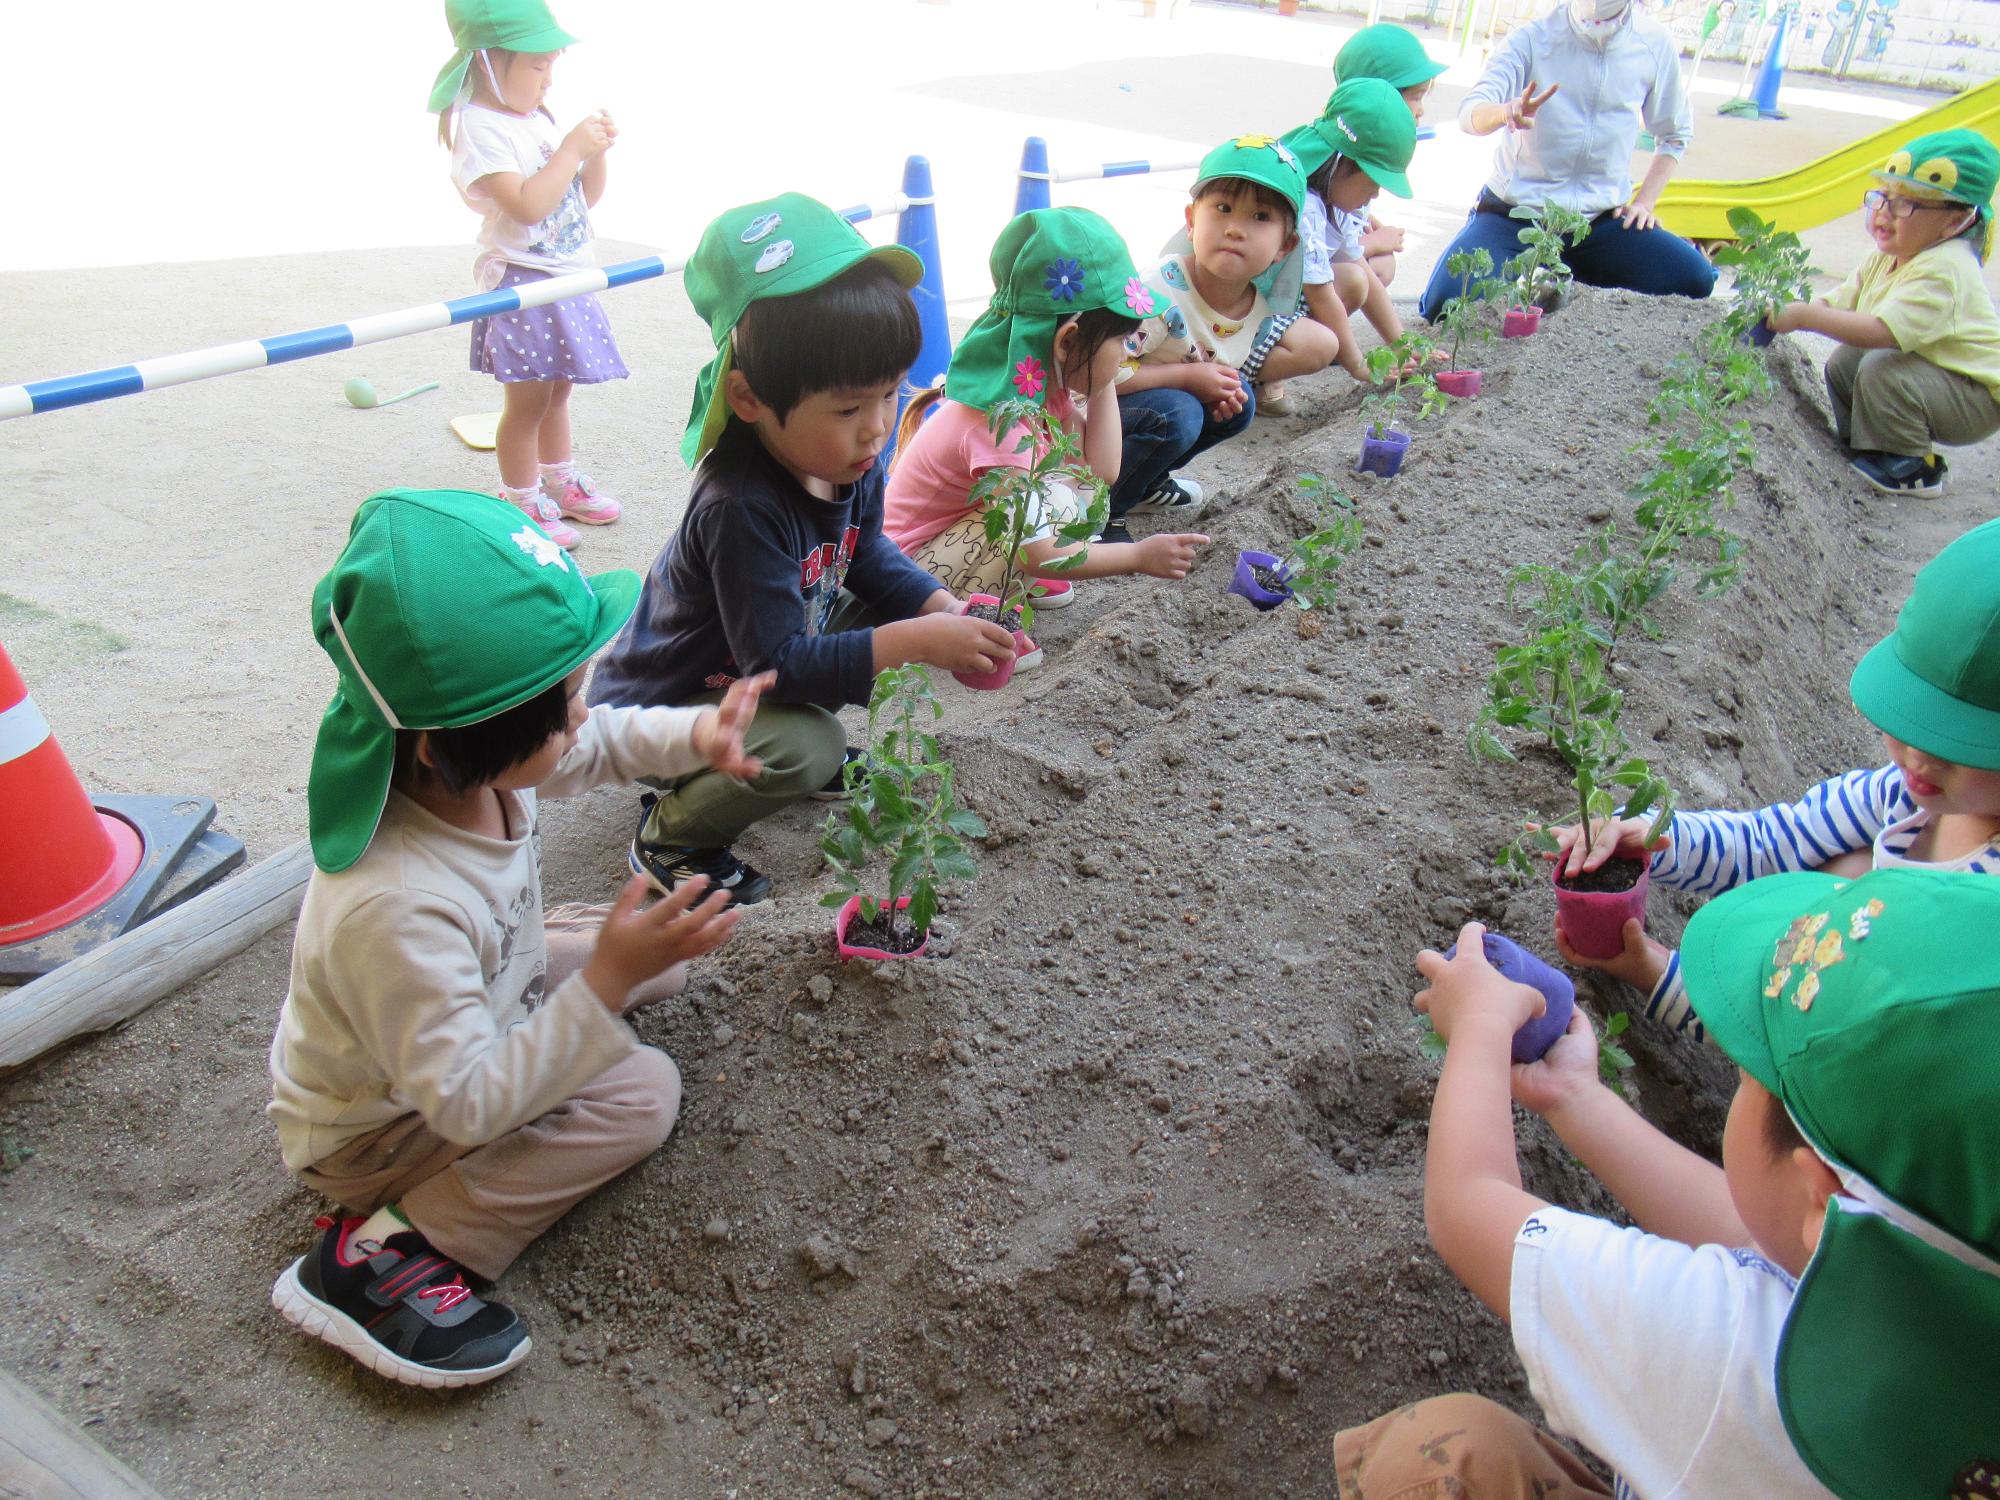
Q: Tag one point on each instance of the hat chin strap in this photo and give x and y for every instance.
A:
(381, 703)
(1862, 1196)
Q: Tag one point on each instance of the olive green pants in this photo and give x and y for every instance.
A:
(1885, 401)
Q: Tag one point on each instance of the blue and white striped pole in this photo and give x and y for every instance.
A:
(919, 222)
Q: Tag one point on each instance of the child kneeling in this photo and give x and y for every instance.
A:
(452, 1073)
(1919, 356)
(1816, 1315)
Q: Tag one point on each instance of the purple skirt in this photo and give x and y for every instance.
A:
(567, 340)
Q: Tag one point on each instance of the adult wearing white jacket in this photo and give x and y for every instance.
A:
(1570, 92)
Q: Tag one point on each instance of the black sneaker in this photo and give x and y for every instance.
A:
(399, 1308)
(1901, 474)
(1175, 497)
(1114, 531)
(836, 789)
(666, 865)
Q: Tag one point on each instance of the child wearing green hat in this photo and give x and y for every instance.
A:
(1817, 1315)
(449, 1067)
(779, 564)
(1919, 356)
(533, 189)
(1206, 333)
(1361, 144)
(1065, 298)
(1932, 687)
(1393, 54)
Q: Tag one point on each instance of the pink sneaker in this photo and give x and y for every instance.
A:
(542, 511)
(580, 500)
(1051, 593)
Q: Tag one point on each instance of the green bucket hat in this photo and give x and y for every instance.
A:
(1263, 159)
(1388, 52)
(1935, 681)
(1047, 265)
(1367, 122)
(1850, 1003)
(1957, 164)
(777, 248)
(444, 608)
(511, 25)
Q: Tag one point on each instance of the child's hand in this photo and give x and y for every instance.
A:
(1468, 987)
(1640, 965)
(1215, 385)
(1167, 554)
(1788, 319)
(1564, 1071)
(959, 643)
(718, 733)
(591, 137)
(1383, 239)
(1624, 838)
(634, 945)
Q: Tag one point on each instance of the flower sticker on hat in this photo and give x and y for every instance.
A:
(775, 255)
(1138, 297)
(1063, 279)
(760, 226)
(1028, 376)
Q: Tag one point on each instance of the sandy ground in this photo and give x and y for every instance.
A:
(1129, 1174)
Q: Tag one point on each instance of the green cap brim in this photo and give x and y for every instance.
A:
(710, 413)
(1918, 712)
(1392, 181)
(1726, 958)
(355, 751)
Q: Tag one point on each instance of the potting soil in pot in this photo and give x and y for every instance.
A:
(992, 612)
(883, 933)
(1611, 876)
(1269, 579)
(1120, 1189)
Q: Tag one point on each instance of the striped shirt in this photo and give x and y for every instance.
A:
(1711, 852)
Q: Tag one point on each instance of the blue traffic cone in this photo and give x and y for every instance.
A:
(1764, 92)
(916, 229)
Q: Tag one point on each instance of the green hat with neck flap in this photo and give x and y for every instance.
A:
(778, 247)
(444, 608)
(1048, 266)
(1388, 52)
(1367, 122)
(476, 25)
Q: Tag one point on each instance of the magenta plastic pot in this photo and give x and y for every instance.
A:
(1594, 921)
(1518, 964)
(1383, 455)
(1001, 675)
(1520, 322)
(874, 955)
(1759, 335)
(1461, 383)
(1245, 582)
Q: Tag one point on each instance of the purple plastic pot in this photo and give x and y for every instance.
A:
(1001, 675)
(1759, 334)
(1518, 964)
(1520, 322)
(847, 950)
(1461, 383)
(1594, 921)
(1245, 582)
(1382, 455)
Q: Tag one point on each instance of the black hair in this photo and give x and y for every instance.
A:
(1780, 1133)
(1267, 198)
(858, 331)
(475, 754)
(1095, 328)
(1321, 182)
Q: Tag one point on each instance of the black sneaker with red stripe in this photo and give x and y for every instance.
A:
(399, 1308)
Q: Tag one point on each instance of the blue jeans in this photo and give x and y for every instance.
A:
(1655, 261)
(1163, 428)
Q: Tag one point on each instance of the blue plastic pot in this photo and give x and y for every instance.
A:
(1518, 964)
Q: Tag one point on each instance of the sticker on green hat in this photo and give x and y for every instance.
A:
(1263, 159)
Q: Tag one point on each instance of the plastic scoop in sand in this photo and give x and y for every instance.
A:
(361, 393)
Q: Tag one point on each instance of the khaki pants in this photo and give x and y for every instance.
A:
(1885, 401)
(484, 1205)
(1456, 1447)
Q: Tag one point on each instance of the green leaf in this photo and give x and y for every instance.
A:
(970, 824)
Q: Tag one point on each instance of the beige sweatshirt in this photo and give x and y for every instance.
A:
(419, 972)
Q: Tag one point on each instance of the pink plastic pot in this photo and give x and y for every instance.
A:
(1382, 456)
(849, 950)
(1520, 322)
(1461, 383)
(1000, 676)
(1518, 964)
(1594, 921)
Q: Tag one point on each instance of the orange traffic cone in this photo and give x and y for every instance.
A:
(60, 858)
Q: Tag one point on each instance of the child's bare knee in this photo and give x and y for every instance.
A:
(1384, 267)
(1350, 283)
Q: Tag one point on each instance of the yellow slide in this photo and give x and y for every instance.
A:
(1825, 189)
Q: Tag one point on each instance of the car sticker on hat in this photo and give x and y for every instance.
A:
(760, 226)
(540, 548)
(1285, 154)
(1806, 945)
(775, 255)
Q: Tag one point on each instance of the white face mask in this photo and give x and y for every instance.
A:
(1595, 20)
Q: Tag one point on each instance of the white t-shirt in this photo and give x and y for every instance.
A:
(1659, 1357)
(491, 140)
(1184, 329)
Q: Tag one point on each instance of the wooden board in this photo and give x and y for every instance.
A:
(44, 1456)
